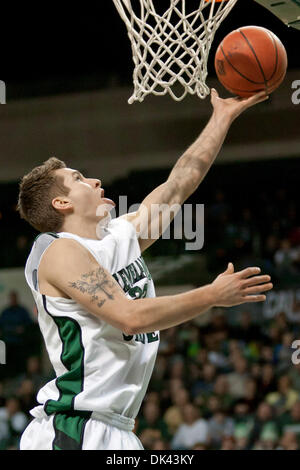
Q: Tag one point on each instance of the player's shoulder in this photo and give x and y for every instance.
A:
(65, 252)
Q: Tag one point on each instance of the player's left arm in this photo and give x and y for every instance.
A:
(160, 207)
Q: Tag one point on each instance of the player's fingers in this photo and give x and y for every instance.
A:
(254, 298)
(214, 95)
(257, 280)
(214, 92)
(258, 289)
(248, 272)
(257, 98)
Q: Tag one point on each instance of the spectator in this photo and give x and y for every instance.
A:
(21, 252)
(160, 444)
(268, 252)
(219, 425)
(218, 324)
(173, 415)
(241, 436)
(194, 430)
(285, 258)
(27, 396)
(268, 438)
(205, 385)
(294, 374)
(283, 352)
(200, 446)
(12, 423)
(174, 385)
(33, 372)
(285, 397)
(267, 355)
(228, 443)
(2, 397)
(281, 322)
(167, 341)
(218, 208)
(256, 371)
(159, 373)
(202, 357)
(234, 350)
(190, 339)
(177, 369)
(290, 421)
(152, 397)
(194, 373)
(264, 417)
(267, 382)
(149, 437)
(251, 395)
(15, 323)
(243, 423)
(238, 378)
(246, 330)
(288, 441)
(151, 421)
(274, 335)
(221, 390)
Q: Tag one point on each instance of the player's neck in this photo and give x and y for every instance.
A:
(84, 228)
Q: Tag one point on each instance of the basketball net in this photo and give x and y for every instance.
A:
(171, 48)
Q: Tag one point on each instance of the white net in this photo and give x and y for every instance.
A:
(170, 41)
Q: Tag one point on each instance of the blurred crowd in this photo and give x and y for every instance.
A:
(267, 229)
(222, 386)
(21, 370)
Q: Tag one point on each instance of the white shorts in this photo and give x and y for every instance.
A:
(77, 431)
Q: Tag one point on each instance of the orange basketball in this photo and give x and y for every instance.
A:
(249, 60)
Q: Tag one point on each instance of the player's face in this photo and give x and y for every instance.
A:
(86, 195)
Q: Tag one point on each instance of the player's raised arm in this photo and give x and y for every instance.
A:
(160, 207)
(77, 275)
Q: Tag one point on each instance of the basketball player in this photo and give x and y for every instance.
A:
(101, 344)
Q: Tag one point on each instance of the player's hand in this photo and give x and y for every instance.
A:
(233, 107)
(231, 288)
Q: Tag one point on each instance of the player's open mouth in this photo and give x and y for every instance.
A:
(106, 200)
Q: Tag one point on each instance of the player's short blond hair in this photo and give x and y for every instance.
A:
(36, 192)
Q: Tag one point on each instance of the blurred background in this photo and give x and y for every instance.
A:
(225, 380)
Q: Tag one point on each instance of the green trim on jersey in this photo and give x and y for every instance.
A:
(72, 357)
(53, 234)
(69, 430)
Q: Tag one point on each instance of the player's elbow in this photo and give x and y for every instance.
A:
(130, 330)
(132, 321)
(131, 327)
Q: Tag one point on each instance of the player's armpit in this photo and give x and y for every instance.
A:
(78, 275)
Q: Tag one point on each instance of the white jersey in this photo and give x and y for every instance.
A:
(98, 368)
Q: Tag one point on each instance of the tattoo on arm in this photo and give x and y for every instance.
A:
(97, 285)
(190, 162)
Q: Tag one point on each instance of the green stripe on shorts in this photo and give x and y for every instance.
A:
(69, 430)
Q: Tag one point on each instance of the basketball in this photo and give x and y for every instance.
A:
(249, 60)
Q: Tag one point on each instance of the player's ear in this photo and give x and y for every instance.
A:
(62, 203)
